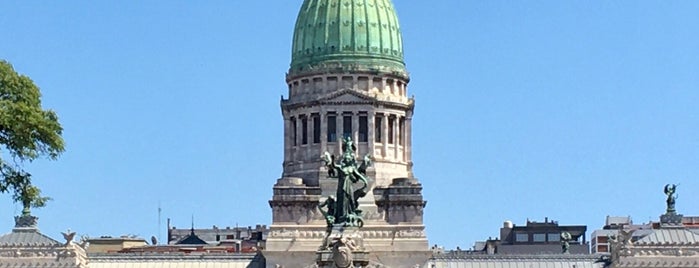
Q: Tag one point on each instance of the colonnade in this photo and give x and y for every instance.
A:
(385, 135)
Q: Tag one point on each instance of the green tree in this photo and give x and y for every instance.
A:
(27, 132)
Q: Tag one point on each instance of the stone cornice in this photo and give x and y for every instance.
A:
(169, 256)
(368, 232)
(470, 255)
(362, 98)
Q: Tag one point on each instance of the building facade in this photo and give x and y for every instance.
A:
(536, 238)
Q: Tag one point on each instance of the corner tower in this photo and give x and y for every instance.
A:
(347, 77)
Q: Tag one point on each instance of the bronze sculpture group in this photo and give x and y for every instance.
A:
(343, 208)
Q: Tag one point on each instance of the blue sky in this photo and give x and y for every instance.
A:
(571, 110)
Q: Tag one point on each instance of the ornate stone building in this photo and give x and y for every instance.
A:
(672, 244)
(25, 246)
(347, 78)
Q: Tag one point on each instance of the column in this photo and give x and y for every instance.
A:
(323, 130)
(396, 142)
(287, 140)
(355, 126)
(402, 136)
(338, 131)
(299, 127)
(384, 128)
(407, 148)
(370, 131)
(309, 136)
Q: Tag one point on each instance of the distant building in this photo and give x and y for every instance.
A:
(108, 244)
(245, 239)
(600, 238)
(535, 238)
(537, 244)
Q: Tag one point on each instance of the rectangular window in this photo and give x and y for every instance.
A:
(363, 129)
(304, 130)
(555, 237)
(600, 239)
(332, 128)
(316, 128)
(539, 237)
(377, 128)
(391, 124)
(347, 126)
(294, 131)
(521, 237)
(401, 131)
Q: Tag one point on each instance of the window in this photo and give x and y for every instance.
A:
(294, 130)
(377, 128)
(332, 128)
(391, 124)
(316, 128)
(521, 237)
(363, 129)
(401, 131)
(554, 237)
(304, 130)
(347, 126)
(539, 237)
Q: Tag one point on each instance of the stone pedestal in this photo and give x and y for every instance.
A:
(343, 248)
(671, 219)
(294, 202)
(401, 202)
(26, 221)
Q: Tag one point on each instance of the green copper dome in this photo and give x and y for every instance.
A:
(347, 35)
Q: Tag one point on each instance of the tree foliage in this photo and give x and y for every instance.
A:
(27, 132)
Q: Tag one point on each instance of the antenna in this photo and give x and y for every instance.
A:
(160, 210)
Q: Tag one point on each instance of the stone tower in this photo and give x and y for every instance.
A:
(347, 78)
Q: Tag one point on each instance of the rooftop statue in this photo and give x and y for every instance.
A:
(671, 197)
(343, 209)
(566, 237)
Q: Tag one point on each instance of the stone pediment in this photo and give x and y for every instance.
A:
(346, 96)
